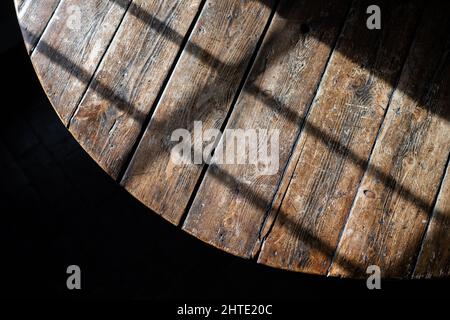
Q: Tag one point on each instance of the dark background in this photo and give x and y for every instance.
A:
(59, 208)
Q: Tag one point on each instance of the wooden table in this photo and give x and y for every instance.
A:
(362, 116)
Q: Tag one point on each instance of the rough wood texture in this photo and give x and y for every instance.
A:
(34, 17)
(111, 115)
(71, 48)
(363, 120)
(434, 259)
(341, 129)
(202, 88)
(396, 195)
(279, 90)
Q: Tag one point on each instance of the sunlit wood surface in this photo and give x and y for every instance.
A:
(363, 120)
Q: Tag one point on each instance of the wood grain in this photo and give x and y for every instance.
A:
(232, 201)
(434, 259)
(339, 134)
(110, 117)
(33, 17)
(362, 115)
(202, 88)
(71, 49)
(396, 195)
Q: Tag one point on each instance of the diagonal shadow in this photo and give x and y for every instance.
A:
(335, 145)
(291, 115)
(104, 90)
(345, 152)
(283, 8)
(108, 93)
(342, 150)
(299, 232)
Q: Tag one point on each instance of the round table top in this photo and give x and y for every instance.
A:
(294, 133)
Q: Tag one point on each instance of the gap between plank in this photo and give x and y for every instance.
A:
(422, 241)
(263, 238)
(239, 90)
(434, 203)
(74, 111)
(380, 129)
(44, 30)
(147, 119)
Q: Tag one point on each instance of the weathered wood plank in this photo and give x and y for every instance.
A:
(202, 88)
(296, 215)
(338, 137)
(33, 17)
(434, 258)
(391, 209)
(71, 49)
(110, 117)
(275, 97)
